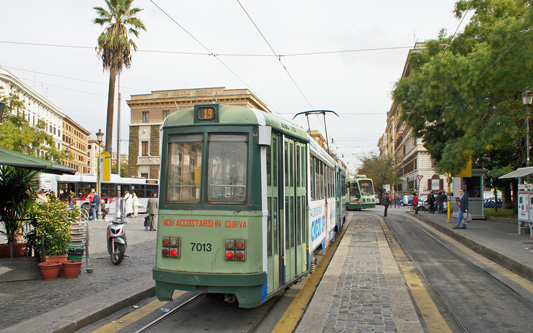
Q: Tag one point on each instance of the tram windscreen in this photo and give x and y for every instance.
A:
(367, 189)
(185, 165)
(227, 167)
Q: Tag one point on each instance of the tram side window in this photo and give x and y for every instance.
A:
(227, 167)
(185, 164)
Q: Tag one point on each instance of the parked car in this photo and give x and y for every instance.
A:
(489, 203)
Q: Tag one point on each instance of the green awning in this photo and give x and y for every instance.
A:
(16, 159)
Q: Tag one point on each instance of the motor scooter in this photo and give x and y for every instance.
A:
(116, 234)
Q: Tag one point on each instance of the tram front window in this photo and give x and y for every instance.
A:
(185, 166)
(227, 168)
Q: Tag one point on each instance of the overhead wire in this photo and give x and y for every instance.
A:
(278, 57)
(208, 50)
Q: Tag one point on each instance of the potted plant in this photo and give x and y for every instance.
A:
(18, 189)
(52, 226)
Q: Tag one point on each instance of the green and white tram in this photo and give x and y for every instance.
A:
(360, 193)
(245, 199)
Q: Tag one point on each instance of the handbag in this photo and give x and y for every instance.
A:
(147, 221)
(467, 218)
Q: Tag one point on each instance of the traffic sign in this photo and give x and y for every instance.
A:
(419, 177)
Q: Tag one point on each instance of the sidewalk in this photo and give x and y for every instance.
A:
(64, 304)
(496, 239)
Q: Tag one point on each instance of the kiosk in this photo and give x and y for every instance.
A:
(473, 187)
(525, 199)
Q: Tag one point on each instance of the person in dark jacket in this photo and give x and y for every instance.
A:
(431, 202)
(386, 202)
(463, 208)
(440, 203)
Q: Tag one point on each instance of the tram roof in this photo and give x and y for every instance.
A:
(236, 115)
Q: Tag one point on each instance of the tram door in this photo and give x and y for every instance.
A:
(274, 159)
(295, 206)
(301, 214)
(290, 209)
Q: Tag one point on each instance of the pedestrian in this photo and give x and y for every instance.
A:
(152, 207)
(95, 205)
(135, 204)
(431, 202)
(463, 208)
(92, 212)
(396, 200)
(415, 203)
(440, 202)
(128, 204)
(386, 202)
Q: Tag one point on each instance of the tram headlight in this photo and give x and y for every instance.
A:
(171, 247)
(235, 249)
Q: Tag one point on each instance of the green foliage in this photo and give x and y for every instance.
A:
(381, 170)
(18, 189)
(463, 97)
(17, 134)
(53, 221)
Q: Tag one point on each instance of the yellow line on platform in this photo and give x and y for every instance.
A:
(295, 311)
(130, 318)
(429, 311)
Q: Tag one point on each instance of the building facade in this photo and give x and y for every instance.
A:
(67, 134)
(75, 140)
(36, 107)
(412, 159)
(148, 111)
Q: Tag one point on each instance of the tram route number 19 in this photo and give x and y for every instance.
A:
(206, 113)
(201, 247)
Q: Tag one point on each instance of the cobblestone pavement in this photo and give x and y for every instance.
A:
(361, 299)
(23, 300)
(362, 290)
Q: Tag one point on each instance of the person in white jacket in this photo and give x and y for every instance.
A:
(135, 204)
(128, 204)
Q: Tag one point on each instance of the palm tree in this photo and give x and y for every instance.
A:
(114, 47)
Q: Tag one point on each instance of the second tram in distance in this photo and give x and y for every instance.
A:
(360, 193)
(246, 198)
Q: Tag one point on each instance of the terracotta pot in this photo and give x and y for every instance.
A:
(50, 270)
(60, 259)
(72, 268)
(19, 250)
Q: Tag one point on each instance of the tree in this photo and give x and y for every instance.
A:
(114, 47)
(18, 135)
(463, 96)
(382, 170)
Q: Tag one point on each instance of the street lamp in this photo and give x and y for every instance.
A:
(67, 155)
(527, 97)
(99, 139)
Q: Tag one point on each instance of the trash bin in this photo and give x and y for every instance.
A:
(75, 253)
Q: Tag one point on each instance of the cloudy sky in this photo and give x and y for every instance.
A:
(341, 55)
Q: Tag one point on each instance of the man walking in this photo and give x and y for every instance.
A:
(386, 202)
(463, 208)
(152, 207)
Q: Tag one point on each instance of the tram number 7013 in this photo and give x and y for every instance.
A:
(201, 247)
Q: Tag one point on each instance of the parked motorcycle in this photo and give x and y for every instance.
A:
(116, 234)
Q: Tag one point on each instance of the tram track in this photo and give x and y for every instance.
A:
(249, 324)
(156, 321)
(454, 257)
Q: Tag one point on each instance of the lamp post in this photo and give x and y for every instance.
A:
(527, 97)
(67, 155)
(99, 139)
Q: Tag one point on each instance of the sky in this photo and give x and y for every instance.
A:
(340, 55)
